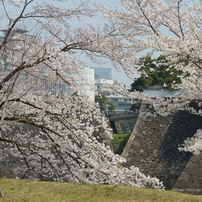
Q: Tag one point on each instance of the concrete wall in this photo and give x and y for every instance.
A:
(153, 145)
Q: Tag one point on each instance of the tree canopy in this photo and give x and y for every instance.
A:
(103, 103)
(156, 73)
(111, 108)
(101, 99)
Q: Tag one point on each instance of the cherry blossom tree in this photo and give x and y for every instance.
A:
(52, 131)
(172, 28)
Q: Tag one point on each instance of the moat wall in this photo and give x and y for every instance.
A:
(153, 145)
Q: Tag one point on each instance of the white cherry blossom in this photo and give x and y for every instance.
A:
(54, 133)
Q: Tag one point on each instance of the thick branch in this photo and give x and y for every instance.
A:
(180, 25)
(14, 23)
(147, 19)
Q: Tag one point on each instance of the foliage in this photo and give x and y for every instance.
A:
(111, 108)
(22, 190)
(103, 102)
(193, 144)
(101, 99)
(36, 65)
(170, 28)
(156, 73)
(135, 107)
(120, 139)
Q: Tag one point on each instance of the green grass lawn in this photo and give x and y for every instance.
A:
(118, 138)
(119, 142)
(21, 190)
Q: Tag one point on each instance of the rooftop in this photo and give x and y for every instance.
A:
(20, 31)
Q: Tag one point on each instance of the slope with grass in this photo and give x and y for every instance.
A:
(32, 191)
(119, 142)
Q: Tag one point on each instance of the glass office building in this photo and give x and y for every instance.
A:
(102, 73)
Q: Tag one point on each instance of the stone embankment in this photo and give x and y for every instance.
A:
(153, 147)
(191, 176)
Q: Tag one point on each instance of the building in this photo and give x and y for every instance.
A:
(160, 91)
(89, 89)
(113, 91)
(102, 73)
(121, 103)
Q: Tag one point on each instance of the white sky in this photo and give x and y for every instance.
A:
(95, 20)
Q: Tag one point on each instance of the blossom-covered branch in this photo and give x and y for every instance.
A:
(54, 132)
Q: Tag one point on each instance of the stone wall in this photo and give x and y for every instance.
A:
(191, 176)
(116, 127)
(153, 145)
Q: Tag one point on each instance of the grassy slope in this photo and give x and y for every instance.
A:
(119, 142)
(18, 190)
(118, 138)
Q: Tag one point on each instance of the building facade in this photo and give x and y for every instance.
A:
(102, 73)
(113, 90)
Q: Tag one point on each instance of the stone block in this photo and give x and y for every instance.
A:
(129, 150)
(196, 160)
(135, 144)
(198, 183)
(184, 176)
(191, 171)
(183, 184)
(137, 135)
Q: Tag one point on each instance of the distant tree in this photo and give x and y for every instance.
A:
(155, 72)
(136, 106)
(101, 99)
(111, 108)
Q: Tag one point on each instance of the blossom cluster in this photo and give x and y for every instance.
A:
(193, 144)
